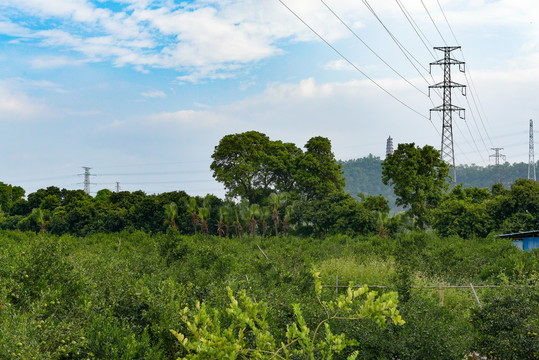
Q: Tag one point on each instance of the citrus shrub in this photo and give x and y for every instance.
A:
(248, 336)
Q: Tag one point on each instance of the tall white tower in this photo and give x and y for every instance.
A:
(389, 146)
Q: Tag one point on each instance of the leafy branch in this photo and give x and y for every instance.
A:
(248, 335)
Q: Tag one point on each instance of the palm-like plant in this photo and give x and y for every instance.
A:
(192, 209)
(171, 213)
(382, 222)
(276, 202)
(228, 217)
(286, 219)
(221, 222)
(265, 214)
(254, 213)
(237, 224)
(204, 216)
(37, 215)
(242, 214)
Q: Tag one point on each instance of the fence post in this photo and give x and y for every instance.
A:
(336, 284)
(441, 293)
(476, 298)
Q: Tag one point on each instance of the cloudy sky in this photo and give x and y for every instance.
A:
(141, 91)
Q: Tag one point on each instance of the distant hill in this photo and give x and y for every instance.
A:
(484, 177)
(364, 175)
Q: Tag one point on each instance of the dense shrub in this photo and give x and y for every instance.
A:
(430, 332)
(507, 326)
(118, 295)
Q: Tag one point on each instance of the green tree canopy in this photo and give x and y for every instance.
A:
(418, 176)
(251, 166)
(318, 173)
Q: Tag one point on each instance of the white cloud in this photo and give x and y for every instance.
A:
(358, 117)
(53, 62)
(212, 39)
(339, 65)
(205, 39)
(112, 125)
(15, 105)
(154, 94)
(189, 119)
(9, 28)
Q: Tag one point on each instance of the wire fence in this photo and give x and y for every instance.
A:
(440, 287)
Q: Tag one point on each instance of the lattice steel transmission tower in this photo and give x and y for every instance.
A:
(497, 157)
(531, 161)
(87, 179)
(447, 108)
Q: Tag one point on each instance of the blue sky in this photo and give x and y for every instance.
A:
(141, 91)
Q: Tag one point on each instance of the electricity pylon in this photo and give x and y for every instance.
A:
(497, 157)
(447, 108)
(87, 179)
(531, 162)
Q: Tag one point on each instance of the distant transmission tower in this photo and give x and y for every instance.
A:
(447, 108)
(531, 162)
(497, 157)
(87, 179)
(389, 146)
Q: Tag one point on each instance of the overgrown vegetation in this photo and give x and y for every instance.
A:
(110, 276)
(117, 296)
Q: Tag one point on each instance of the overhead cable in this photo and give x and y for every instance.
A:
(352, 64)
(372, 50)
(433, 22)
(470, 82)
(416, 28)
(403, 49)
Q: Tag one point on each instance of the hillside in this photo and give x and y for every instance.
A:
(364, 175)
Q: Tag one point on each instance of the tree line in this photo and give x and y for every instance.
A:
(275, 188)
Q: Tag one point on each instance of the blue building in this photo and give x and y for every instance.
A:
(527, 240)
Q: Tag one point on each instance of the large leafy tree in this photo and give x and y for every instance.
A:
(463, 212)
(419, 178)
(9, 195)
(318, 173)
(337, 213)
(251, 166)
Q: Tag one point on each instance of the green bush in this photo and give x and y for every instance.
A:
(431, 332)
(507, 326)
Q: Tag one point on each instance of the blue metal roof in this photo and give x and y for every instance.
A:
(520, 235)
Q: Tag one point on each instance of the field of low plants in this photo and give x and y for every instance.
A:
(118, 296)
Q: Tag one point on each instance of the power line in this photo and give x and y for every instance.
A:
(160, 182)
(447, 22)
(475, 143)
(412, 22)
(402, 48)
(153, 173)
(447, 108)
(470, 83)
(352, 64)
(418, 31)
(433, 22)
(476, 125)
(497, 157)
(372, 50)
